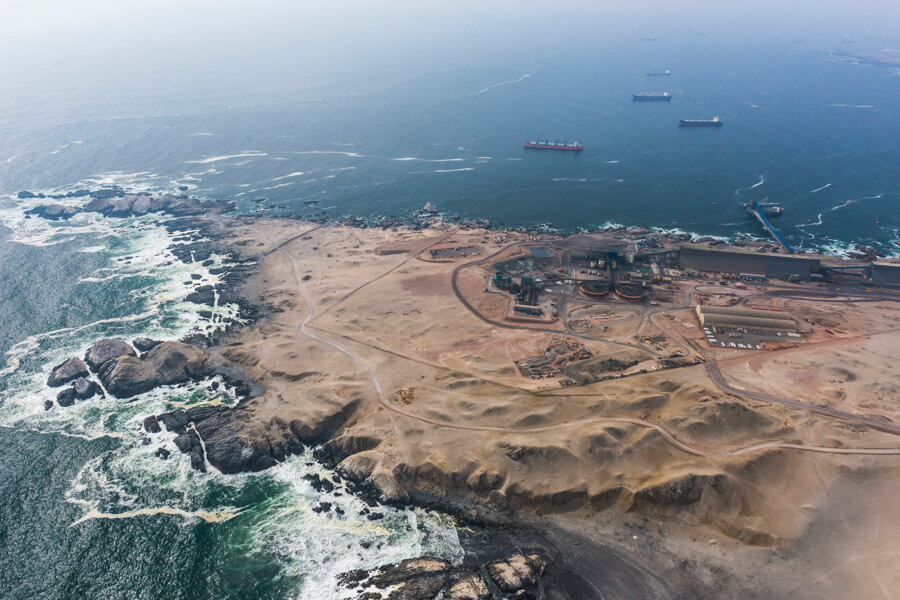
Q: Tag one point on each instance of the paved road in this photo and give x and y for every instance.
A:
(716, 375)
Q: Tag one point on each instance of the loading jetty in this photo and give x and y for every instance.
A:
(757, 212)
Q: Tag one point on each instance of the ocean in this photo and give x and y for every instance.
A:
(87, 510)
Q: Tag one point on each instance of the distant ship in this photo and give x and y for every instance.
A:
(714, 122)
(651, 97)
(556, 145)
(665, 73)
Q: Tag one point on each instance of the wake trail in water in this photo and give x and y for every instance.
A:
(827, 185)
(496, 85)
(843, 204)
(761, 181)
(850, 105)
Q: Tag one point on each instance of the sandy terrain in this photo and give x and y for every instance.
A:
(425, 403)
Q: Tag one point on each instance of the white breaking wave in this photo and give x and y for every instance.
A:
(453, 170)
(280, 185)
(353, 154)
(433, 160)
(612, 162)
(289, 175)
(212, 159)
(490, 87)
(200, 133)
(851, 105)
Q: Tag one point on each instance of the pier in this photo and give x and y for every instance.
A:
(756, 211)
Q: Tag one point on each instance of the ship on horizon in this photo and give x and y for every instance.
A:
(714, 122)
(652, 97)
(665, 73)
(540, 144)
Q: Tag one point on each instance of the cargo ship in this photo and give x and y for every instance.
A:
(651, 97)
(714, 122)
(556, 145)
(665, 73)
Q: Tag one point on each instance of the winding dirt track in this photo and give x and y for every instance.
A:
(322, 337)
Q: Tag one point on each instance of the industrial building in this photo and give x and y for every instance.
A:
(885, 273)
(776, 266)
(751, 319)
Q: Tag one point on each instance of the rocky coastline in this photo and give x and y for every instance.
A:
(252, 437)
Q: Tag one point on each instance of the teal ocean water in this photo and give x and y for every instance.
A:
(87, 510)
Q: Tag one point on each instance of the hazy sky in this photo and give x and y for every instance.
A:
(37, 18)
(56, 48)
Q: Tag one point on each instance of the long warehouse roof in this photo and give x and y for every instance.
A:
(736, 321)
(744, 312)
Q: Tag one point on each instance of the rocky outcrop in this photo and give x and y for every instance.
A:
(517, 572)
(467, 585)
(54, 212)
(84, 388)
(237, 442)
(144, 344)
(106, 350)
(233, 444)
(116, 203)
(425, 578)
(67, 371)
(681, 491)
(66, 397)
(168, 363)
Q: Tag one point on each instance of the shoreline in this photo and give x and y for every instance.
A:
(430, 215)
(270, 354)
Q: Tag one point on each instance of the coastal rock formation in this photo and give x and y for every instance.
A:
(517, 572)
(66, 397)
(63, 373)
(232, 444)
(116, 203)
(85, 388)
(106, 350)
(144, 344)
(166, 364)
(427, 577)
(54, 212)
(467, 585)
(237, 442)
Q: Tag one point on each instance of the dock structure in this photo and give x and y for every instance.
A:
(756, 211)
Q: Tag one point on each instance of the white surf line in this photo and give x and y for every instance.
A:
(490, 87)
(827, 185)
(215, 516)
(431, 160)
(667, 436)
(850, 105)
(212, 159)
(453, 170)
(352, 154)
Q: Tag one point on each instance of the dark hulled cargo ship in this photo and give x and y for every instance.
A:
(652, 97)
(555, 145)
(714, 122)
